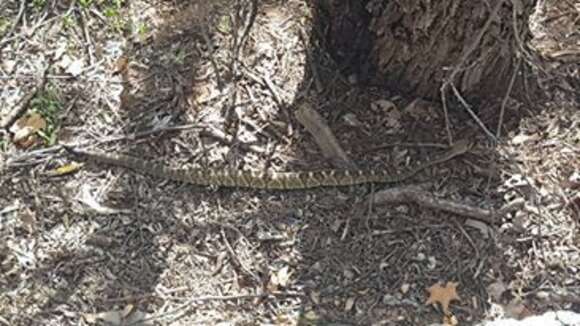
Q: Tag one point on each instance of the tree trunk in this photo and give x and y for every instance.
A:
(420, 44)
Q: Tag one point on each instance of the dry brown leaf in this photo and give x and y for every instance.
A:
(421, 110)
(121, 65)
(450, 320)
(28, 219)
(443, 295)
(26, 128)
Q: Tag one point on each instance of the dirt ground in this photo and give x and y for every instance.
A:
(217, 85)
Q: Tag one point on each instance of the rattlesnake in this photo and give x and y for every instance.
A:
(269, 180)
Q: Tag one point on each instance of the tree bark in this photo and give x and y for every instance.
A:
(419, 44)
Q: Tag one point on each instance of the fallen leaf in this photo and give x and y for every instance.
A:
(384, 105)
(129, 309)
(420, 110)
(127, 316)
(391, 114)
(75, 67)
(280, 279)
(28, 219)
(352, 120)
(121, 65)
(349, 304)
(311, 315)
(88, 199)
(496, 289)
(521, 139)
(450, 320)
(26, 128)
(204, 93)
(315, 297)
(405, 288)
(483, 228)
(443, 295)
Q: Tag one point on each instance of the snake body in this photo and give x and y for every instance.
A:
(269, 180)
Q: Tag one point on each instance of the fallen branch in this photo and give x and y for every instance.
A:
(322, 134)
(16, 160)
(417, 194)
(185, 307)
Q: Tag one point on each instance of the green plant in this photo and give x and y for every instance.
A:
(4, 25)
(38, 4)
(142, 29)
(48, 106)
(179, 56)
(67, 21)
(85, 3)
(112, 10)
(3, 145)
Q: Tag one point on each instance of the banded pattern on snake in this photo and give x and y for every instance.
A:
(270, 180)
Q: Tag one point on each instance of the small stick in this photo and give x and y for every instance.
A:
(312, 63)
(25, 102)
(43, 151)
(6, 38)
(458, 67)
(211, 48)
(275, 94)
(471, 113)
(385, 146)
(446, 113)
(506, 97)
(185, 306)
(476, 42)
(417, 195)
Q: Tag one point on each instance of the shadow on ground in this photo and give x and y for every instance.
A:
(190, 254)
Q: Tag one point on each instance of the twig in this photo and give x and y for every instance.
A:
(273, 89)
(6, 38)
(18, 112)
(64, 77)
(417, 195)
(311, 62)
(506, 97)
(251, 21)
(384, 146)
(446, 113)
(475, 43)
(209, 44)
(227, 139)
(208, 298)
(459, 65)
(29, 31)
(471, 113)
(87, 36)
(133, 298)
(235, 258)
(12, 162)
(471, 242)
(239, 42)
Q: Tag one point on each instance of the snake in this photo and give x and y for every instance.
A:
(266, 180)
